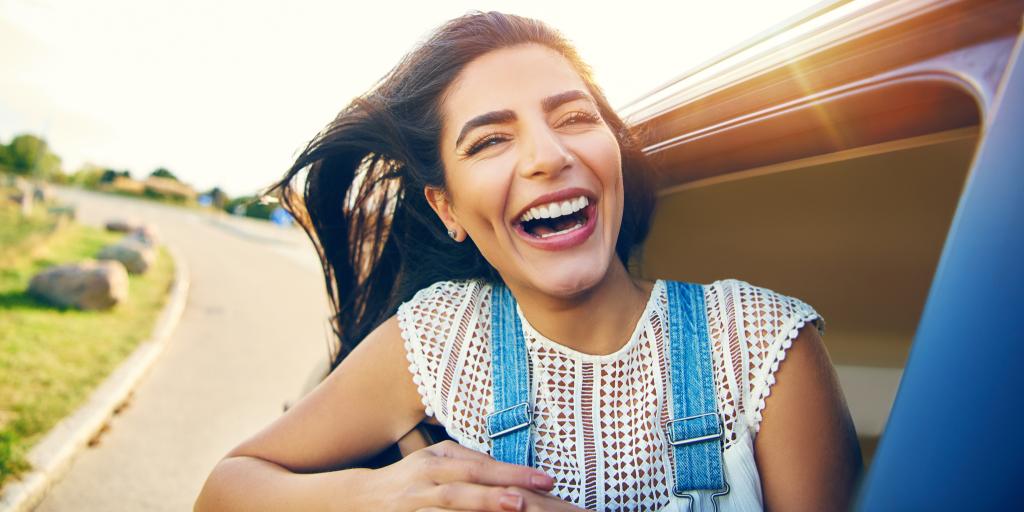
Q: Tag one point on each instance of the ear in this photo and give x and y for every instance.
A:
(441, 204)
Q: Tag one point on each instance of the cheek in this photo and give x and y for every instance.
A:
(600, 153)
(480, 193)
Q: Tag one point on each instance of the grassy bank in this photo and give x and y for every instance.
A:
(51, 358)
(19, 233)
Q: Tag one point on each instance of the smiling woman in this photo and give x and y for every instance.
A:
(475, 215)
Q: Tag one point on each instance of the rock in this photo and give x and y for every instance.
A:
(87, 285)
(122, 225)
(135, 255)
(147, 234)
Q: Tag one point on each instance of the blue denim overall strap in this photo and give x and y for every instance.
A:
(696, 429)
(509, 425)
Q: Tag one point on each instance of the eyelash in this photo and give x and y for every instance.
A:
(572, 118)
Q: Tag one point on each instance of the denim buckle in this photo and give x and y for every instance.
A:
(694, 429)
(508, 420)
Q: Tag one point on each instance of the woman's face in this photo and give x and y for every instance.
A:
(534, 174)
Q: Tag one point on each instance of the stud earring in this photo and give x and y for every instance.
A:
(452, 233)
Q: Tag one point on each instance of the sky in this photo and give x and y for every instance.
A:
(225, 93)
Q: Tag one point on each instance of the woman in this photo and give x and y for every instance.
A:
(489, 162)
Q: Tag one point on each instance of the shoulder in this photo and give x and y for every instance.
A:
(433, 324)
(760, 326)
(441, 295)
(760, 315)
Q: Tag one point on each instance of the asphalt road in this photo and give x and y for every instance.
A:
(253, 329)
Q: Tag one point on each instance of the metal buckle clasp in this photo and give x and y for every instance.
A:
(702, 500)
(707, 437)
(520, 413)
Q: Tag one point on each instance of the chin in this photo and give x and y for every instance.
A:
(570, 278)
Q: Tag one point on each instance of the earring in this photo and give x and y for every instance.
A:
(452, 234)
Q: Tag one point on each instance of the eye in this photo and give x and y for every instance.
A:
(485, 142)
(579, 117)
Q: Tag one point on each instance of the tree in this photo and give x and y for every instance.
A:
(108, 176)
(160, 172)
(29, 155)
(251, 206)
(88, 175)
(3, 156)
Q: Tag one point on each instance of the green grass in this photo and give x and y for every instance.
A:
(17, 232)
(51, 359)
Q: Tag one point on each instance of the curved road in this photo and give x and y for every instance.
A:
(252, 331)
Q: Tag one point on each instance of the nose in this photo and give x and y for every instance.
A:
(542, 153)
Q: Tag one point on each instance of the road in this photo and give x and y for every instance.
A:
(253, 329)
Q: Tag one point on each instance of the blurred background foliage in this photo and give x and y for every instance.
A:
(29, 156)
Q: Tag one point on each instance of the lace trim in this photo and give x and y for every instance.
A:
(781, 345)
(408, 335)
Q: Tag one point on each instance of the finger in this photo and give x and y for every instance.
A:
(480, 466)
(486, 472)
(468, 496)
(536, 502)
(455, 450)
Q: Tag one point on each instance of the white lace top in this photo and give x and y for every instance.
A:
(598, 418)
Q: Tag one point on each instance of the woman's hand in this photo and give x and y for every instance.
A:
(535, 501)
(448, 476)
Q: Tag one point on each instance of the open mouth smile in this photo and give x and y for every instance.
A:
(558, 224)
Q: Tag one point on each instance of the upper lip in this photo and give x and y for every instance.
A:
(558, 195)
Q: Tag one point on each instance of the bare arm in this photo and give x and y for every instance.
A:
(807, 451)
(339, 423)
(363, 406)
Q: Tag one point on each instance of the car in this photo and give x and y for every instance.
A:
(867, 158)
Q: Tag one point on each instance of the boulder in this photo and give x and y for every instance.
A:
(136, 256)
(147, 234)
(122, 225)
(88, 285)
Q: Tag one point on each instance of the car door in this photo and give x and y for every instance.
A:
(951, 441)
(864, 162)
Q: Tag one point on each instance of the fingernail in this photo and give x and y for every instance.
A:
(511, 501)
(542, 481)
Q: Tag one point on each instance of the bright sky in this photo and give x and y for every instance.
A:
(225, 93)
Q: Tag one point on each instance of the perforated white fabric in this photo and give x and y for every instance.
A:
(598, 418)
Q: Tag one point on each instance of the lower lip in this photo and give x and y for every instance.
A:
(565, 240)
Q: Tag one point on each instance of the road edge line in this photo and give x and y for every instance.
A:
(52, 456)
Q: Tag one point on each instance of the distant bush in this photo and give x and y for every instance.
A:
(249, 206)
(109, 175)
(160, 172)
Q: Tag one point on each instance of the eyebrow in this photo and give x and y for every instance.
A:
(506, 116)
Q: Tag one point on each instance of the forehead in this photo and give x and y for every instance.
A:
(512, 78)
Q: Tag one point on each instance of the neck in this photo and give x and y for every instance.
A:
(598, 321)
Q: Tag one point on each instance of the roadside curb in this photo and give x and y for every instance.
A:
(53, 455)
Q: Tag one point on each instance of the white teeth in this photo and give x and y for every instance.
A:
(553, 210)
